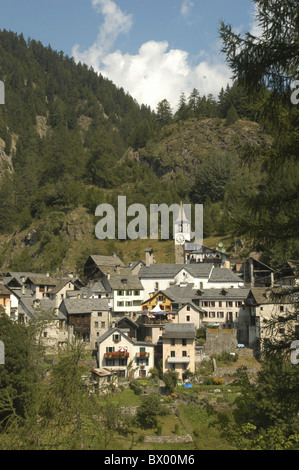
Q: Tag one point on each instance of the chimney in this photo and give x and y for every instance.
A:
(47, 274)
(23, 289)
(108, 276)
(149, 257)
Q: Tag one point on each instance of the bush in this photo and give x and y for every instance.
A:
(149, 411)
(135, 386)
(226, 357)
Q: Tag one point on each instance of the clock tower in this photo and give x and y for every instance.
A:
(182, 230)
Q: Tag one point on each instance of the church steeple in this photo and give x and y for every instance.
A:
(182, 231)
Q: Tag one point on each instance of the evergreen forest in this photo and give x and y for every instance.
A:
(71, 140)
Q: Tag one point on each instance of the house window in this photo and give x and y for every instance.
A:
(172, 342)
(212, 303)
(120, 304)
(187, 317)
(220, 314)
(136, 292)
(129, 303)
(188, 308)
(184, 342)
(128, 292)
(102, 324)
(281, 308)
(120, 292)
(99, 314)
(141, 349)
(229, 303)
(116, 337)
(96, 324)
(172, 354)
(220, 304)
(212, 314)
(110, 349)
(206, 314)
(184, 353)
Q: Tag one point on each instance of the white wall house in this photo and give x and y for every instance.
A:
(117, 352)
(201, 275)
(126, 291)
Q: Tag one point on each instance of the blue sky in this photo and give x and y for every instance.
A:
(154, 49)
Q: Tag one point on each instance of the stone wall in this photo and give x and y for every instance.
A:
(220, 340)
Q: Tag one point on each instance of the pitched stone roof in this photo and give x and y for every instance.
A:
(262, 295)
(179, 330)
(119, 331)
(123, 281)
(156, 271)
(4, 290)
(27, 304)
(108, 261)
(79, 306)
(223, 275)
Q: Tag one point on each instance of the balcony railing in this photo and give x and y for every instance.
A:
(177, 359)
(117, 355)
(141, 355)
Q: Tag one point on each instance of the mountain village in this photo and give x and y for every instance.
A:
(143, 312)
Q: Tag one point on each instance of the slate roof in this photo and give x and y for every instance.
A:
(263, 295)
(118, 330)
(223, 275)
(239, 293)
(4, 290)
(27, 304)
(179, 330)
(116, 282)
(79, 306)
(109, 261)
(160, 271)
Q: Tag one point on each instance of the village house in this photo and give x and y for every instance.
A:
(289, 274)
(222, 306)
(87, 318)
(5, 299)
(262, 306)
(179, 349)
(256, 273)
(126, 292)
(97, 266)
(52, 322)
(195, 253)
(202, 275)
(117, 352)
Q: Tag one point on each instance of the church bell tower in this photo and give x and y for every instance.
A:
(182, 230)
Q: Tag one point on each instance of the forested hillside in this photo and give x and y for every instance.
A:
(71, 140)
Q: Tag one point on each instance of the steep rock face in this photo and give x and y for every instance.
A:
(187, 144)
(5, 160)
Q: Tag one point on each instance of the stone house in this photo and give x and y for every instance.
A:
(97, 266)
(88, 318)
(262, 307)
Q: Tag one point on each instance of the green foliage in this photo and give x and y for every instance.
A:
(265, 414)
(149, 410)
(17, 376)
(170, 378)
(212, 177)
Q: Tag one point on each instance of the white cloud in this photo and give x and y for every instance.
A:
(155, 72)
(186, 7)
